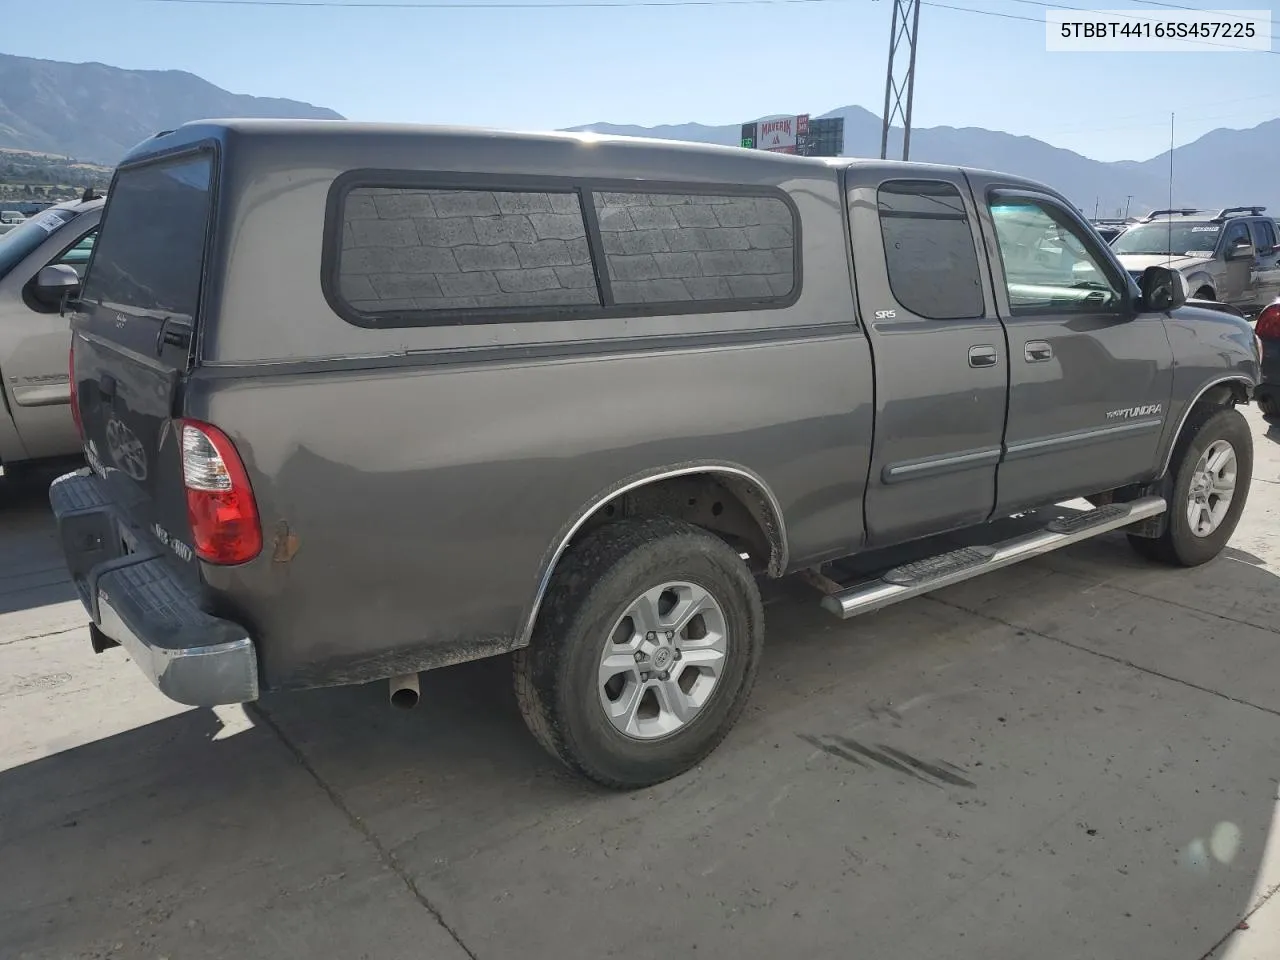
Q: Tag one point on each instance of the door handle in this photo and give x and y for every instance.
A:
(982, 355)
(1037, 351)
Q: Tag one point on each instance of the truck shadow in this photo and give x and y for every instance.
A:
(33, 572)
(184, 837)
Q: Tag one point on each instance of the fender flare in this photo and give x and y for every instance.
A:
(1186, 413)
(776, 530)
(1197, 280)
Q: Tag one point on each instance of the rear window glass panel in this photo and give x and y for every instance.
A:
(412, 249)
(929, 250)
(684, 247)
(148, 258)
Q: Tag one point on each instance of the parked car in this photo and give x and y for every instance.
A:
(1231, 255)
(41, 262)
(9, 219)
(1267, 330)
(360, 401)
(1109, 229)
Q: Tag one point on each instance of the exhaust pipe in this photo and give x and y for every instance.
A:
(404, 691)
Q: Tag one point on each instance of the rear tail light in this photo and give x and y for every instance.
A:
(75, 393)
(220, 505)
(1268, 325)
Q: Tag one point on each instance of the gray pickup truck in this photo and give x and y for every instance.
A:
(360, 401)
(41, 262)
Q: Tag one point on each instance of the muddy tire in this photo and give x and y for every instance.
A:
(1213, 467)
(644, 653)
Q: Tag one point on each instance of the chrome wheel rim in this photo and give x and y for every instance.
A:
(1213, 485)
(662, 660)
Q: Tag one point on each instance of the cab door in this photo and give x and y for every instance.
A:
(1236, 287)
(941, 363)
(1090, 376)
(34, 344)
(1266, 264)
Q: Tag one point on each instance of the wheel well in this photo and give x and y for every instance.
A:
(732, 507)
(1223, 395)
(1217, 397)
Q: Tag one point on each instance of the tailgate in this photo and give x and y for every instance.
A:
(135, 325)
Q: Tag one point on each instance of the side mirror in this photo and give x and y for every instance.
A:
(55, 282)
(1241, 250)
(1163, 289)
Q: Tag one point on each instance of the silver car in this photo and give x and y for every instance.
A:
(41, 262)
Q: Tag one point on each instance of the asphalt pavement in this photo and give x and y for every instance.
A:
(1076, 757)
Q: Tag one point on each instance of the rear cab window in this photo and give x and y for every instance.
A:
(929, 249)
(147, 260)
(400, 254)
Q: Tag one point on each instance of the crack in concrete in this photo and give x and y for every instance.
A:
(41, 636)
(1173, 603)
(1271, 892)
(385, 855)
(1107, 656)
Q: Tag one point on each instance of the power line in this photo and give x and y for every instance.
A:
(600, 4)
(1006, 16)
(653, 4)
(1127, 16)
(509, 5)
(1092, 128)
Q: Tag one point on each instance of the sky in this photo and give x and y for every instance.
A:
(721, 63)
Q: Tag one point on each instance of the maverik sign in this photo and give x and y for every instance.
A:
(798, 135)
(780, 136)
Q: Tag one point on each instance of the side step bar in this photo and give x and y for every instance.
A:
(933, 573)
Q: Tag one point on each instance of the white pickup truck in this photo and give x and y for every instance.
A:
(41, 260)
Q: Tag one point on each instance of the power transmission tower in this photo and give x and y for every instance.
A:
(899, 84)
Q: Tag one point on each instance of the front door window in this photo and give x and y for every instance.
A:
(1048, 266)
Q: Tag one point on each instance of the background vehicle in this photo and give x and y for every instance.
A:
(41, 260)
(9, 219)
(1109, 229)
(1232, 255)
(1267, 330)
(507, 409)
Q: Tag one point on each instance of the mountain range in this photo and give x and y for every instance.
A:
(95, 112)
(1222, 168)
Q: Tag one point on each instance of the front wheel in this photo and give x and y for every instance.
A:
(644, 653)
(1213, 464)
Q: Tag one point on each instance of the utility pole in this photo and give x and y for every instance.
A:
(899, 84)
(1126, 205)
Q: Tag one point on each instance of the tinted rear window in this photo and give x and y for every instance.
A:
(929, 250)
(149, 255)
(407, 250)
(667, 248)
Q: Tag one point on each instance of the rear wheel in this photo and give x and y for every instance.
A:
(644, 654)
(1206, 293)
(1213, 464)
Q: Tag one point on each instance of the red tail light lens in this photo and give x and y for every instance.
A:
(75, 392)
(1268, 325)
(224, 516)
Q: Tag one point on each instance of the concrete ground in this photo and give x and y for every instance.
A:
(1072, 758)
